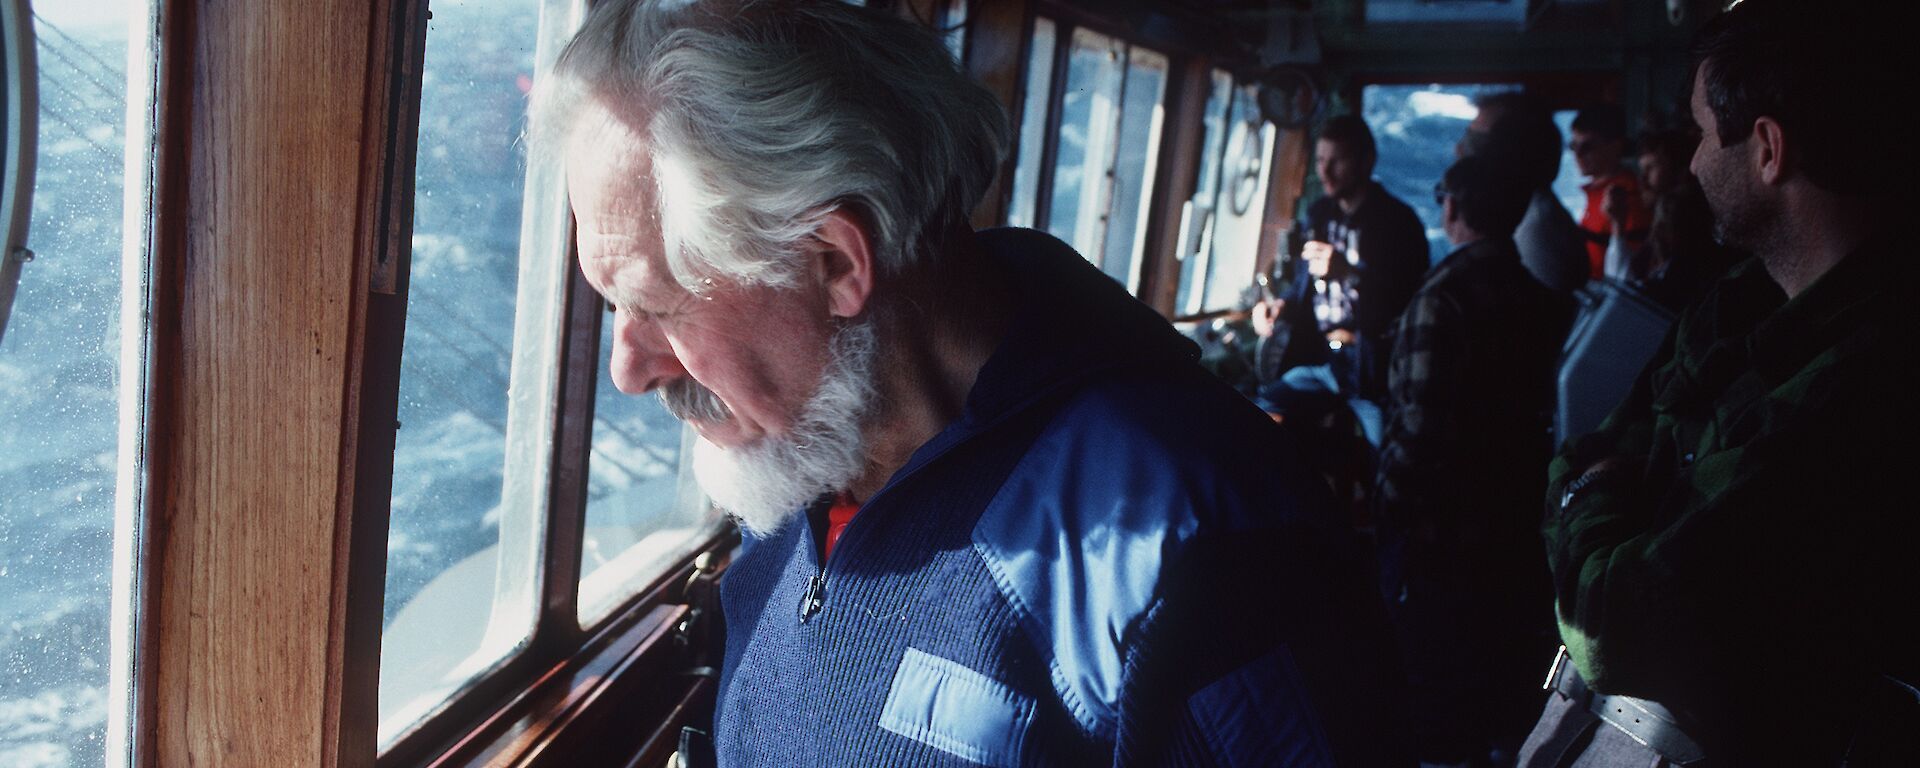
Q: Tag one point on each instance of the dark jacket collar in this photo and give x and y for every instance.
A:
(1376, 203)
(1071, 323)
(1483, 249)
(1750, 324)
(1834, 306)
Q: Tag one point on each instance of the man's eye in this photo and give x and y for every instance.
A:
(640, 314)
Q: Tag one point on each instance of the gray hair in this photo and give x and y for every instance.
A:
(763, 116)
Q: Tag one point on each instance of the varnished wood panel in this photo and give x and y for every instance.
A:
(1292, 154)
(384, 236)
(259, 254)
(997, 35)
(1180, 160)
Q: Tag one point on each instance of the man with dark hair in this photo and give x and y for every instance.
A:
(1518, 133)
(1732, 551)
(1461, 475)
(1364, 257)
(1599, 146)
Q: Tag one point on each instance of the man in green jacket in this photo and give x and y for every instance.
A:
(1732, 552)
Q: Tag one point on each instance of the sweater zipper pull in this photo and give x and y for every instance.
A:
(814, 596)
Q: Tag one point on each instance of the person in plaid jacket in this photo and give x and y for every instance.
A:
(1461, 471)
(1732, 552)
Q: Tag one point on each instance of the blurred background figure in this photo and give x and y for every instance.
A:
(1679, 257)
(1462, 473)
(1518, 134)
(1364, 256)
(1599, 146)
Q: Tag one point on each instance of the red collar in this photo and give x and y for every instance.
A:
(838, 516)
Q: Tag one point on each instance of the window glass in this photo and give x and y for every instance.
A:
(1197, 217)
(643, 510)
(1429, 12)
(451, 561)
(1107, 151)
(1135, 165)
(1567, 186)
(1088, 117)
(1416, 127)
(64, 395)
(1208, 186)
(953, 21)
(1033, 125)
(1241, 205)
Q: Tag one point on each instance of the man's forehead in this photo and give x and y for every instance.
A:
(1697, 88)
(607, 153)
(610, 181)
(635, 280)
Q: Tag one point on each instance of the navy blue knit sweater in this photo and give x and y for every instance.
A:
(1110, 558)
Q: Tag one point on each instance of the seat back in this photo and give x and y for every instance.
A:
(1616, 332)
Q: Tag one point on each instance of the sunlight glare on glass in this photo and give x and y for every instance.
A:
(73, 14)
(62, 395)
(1437, 104)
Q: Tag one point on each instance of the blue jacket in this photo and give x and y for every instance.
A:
(1109, 558)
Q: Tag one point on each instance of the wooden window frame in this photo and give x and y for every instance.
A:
(1146, 266)
(1285, 169)
(999, 43)
(558, 686)
(1184, 142)
(1177, 157)
(259, 638)
(278, 309)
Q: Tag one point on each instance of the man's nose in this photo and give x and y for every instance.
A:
(641, 358)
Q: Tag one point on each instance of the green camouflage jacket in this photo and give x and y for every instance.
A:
(1751, 563)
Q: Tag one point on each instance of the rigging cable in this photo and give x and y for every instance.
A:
(118, 75)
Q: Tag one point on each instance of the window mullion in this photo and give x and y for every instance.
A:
(1056, 94)
(1096, 201)
(573, 441)
(534, 397)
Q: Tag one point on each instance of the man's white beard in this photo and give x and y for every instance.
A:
(768, 483)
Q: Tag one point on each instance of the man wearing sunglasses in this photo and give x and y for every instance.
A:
(1599, 146)
(1462, 471)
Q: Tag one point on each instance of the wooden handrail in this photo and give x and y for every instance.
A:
(1230, 315)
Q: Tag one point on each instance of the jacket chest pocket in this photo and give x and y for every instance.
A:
(956, 710)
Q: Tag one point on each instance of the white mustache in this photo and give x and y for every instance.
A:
(687, 399)
(768, 483)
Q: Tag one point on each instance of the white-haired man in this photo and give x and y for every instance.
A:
(996, 514)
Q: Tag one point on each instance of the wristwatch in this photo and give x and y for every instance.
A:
(1585, 483)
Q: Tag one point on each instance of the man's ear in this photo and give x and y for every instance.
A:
(1770, 152)
(844, 260)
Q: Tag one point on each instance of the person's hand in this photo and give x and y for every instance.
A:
(1265, 314)
(1317, 254)
(1616, 203)
(1340, 336)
